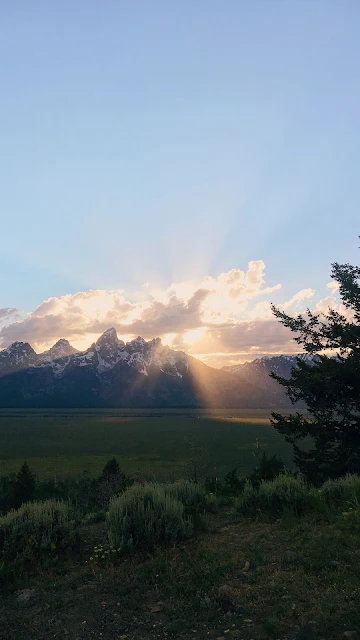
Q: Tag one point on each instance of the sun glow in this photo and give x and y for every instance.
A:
(192, 336)
(168, 339)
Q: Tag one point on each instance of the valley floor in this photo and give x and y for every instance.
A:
(149, 444)
(290, 579)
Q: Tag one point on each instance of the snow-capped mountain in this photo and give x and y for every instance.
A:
(112, 373)
(16, 357)
(61, 349)
(102, 356)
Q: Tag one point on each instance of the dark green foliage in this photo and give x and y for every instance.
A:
(24, 486)
(112, 468)
(213, 485)
(267, 469)
(36, 531)
(111, 482)
(145, 516)
(340, 491)
(233, 485)
(274, 498)
(192, 496)
(6, 493)
(330, 386)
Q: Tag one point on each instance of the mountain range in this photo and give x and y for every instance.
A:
(112, 373)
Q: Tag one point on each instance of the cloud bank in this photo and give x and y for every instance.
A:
(222, 320)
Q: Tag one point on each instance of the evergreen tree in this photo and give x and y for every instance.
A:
(329, 384)
(267, 469)
(24, 486)
(112, 468)
(111, 482)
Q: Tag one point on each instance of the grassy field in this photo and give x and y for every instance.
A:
(149, 444)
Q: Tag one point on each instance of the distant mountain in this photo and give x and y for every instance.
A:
(258, 372)
(112, 373)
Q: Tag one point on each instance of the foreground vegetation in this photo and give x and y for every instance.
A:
(259, 559)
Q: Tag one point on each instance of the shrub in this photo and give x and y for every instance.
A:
(283, 494)
(352, 514)
(6, 493)
(267, 469)
(35, 530)
(94, 518)
(342, 490)
(24, 486)
(146, 515)
(212, 503)
(213, 485)
(233, 485)
(111, 482)
(191, 495)
(112, 468)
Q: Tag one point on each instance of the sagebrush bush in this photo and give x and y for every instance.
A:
(352, 514)
(145, 516)
(340, 491)
(283, 494)
(191, 495)
(36, 529)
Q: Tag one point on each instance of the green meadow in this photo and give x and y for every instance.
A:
(149, 444)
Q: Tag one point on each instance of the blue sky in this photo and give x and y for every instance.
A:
(160, 142)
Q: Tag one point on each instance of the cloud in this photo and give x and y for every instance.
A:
(9, 312)
(294, 302)
(333, 286)
(327, 303)
(218, 318)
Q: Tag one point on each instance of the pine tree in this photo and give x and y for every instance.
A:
(24, 486)
(111, 482)
(112, 468)
(329, 384)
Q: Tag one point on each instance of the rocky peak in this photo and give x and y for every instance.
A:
(18, 355)
(109, 337)
(61, 349)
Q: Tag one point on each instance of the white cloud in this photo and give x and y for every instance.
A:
(295, 302)
(333, 286)
(327, 303)
(220, 319)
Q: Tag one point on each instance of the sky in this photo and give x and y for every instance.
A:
(171, 168)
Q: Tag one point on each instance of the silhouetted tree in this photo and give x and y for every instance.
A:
(24, 486)
(267, 469)
(112, 468)
(329, 385)
(111, 482)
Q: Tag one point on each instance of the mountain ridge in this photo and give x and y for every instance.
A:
(113, 373)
